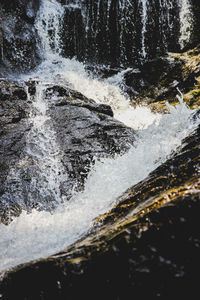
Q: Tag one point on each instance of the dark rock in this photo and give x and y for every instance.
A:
(160, 80)
(90, 131)
(24, 8)
(14, 111)
(157, 79)
(61, 91)
(84, 131)
(18, 37)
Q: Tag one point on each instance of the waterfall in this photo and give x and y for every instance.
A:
(138, 36)
(40, 233)
(144, 24)
(42, 145)
(185, 22)
(43, 149)
(48, 25)
(39, 177)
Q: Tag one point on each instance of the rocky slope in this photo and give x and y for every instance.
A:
(148, 244)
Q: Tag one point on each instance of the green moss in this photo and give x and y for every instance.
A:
(196, 93)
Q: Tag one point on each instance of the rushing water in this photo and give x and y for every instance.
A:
(44, 150)
(40, 234)
(144, 25)
(185, 22)
(48, 25)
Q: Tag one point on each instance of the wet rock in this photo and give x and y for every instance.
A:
(160, 80)
(195, 36)
(23, 8)
(90, 132)
(84, 131)
(156, 79)
(14, 111)
(18, 36)
(103, 71)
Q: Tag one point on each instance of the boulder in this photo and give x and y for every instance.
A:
(81, 130)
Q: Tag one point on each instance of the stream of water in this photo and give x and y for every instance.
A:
(39, 234)
(185, 22)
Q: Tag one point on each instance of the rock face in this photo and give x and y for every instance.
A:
(83, 129)
(89, 132)
(18, 50)
(128, 32)
(14, 110)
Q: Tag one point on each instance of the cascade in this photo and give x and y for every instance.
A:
(136, 36)
(43, 149)
(144, 24)
(40, 233)
(185, 22)
(48, 25)
(36, 180)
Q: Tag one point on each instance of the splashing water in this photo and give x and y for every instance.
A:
(72, 74)
(48, 24)
(185, 22)
(39, 234)
(43, 148)
(144, 24)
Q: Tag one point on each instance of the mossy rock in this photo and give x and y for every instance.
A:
(192, 98)
(196, 93)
